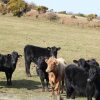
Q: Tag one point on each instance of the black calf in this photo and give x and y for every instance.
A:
(76, 82)
(8, 64)
(94, 78)
(41, 71)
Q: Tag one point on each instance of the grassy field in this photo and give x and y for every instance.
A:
(15, 33)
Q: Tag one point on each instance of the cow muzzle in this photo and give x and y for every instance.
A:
(47, 70)
(88, 80)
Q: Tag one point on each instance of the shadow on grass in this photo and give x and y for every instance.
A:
(28, 84)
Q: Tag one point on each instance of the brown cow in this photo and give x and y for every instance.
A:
(56, 73)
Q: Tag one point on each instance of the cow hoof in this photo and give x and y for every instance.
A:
(9, 84)
(43, 90)
(61, 92)
(47, 90)
(58, 97)
(29, 75)
(52, 95)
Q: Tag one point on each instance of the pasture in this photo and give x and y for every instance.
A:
(15, 33)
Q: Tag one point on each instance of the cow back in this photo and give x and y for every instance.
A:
(77, 77)
(32, 53)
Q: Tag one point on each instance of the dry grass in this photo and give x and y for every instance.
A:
(15, 33)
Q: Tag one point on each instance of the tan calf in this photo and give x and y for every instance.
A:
(56, 73)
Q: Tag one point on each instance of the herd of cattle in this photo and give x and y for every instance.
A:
(82, 78)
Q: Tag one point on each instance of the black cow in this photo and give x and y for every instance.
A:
(8, 64)
(94, 78)
(32, 53)
(41, 71)
(76, 82)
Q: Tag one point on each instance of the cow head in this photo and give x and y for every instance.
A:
(14, 57)
(92, 74)
(53, 51)
(51, 64)
(93, 61)
(82, 63)
(41, 64)
(93, 71)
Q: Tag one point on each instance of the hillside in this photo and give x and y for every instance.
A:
(67, 19)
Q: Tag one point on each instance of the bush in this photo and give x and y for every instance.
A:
(69, 13)
(90, 17)
(3, 8)
(73, 16)
(52, 16)
(62, 12)
(80, 14)
(15, 6)
(41, 9)
(4, 12)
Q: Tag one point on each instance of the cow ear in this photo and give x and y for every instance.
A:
(48, 48)
(58, 48)
(46, 60)
(75, 61)
(56, 62)
(87, 60)
(19, 55)
(8, 55)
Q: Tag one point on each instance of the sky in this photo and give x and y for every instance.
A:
(75, 6)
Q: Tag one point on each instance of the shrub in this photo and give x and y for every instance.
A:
(69, 13)
(15, 6)
(3, 8)
(41, 9)
(73, 16)
(90, 17)
(52, 16)
(62, 12)
(5, 1)
(80, 14)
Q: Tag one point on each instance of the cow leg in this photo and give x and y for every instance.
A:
(52, 90)
(52, 86)
(27, 65)
(43, 84)
(89, 98)
(62, 86)
(73, 95)
(8, 76)
(57, 88)
(97, 95)
(69, 89)
(37, 71)
(47, 83)
(90, 91)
